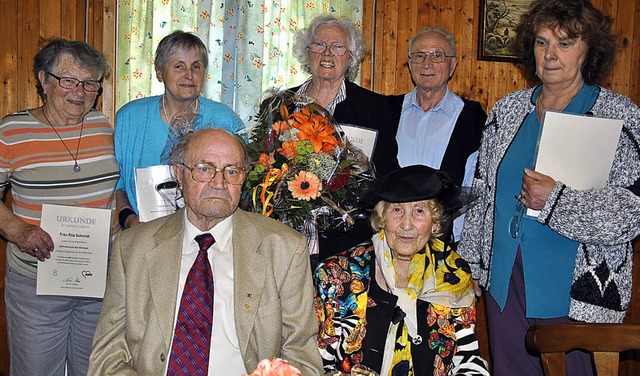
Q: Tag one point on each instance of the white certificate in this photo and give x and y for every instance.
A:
(577, 149)
(361, 137)
(156, 192)
(78, 263)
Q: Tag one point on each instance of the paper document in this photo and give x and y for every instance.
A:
(361, 137)
(156, 192)
(78, 263)
(577, 149)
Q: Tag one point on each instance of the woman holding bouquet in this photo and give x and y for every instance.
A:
(403, 304)
(331, 50)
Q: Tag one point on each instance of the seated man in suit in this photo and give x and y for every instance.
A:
(248, 297)
(435, 127)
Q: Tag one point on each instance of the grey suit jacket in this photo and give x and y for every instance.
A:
(273, 299)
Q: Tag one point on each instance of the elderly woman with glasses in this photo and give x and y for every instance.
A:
(331, 50)
(573, 260)
(147, 128)
(402, 303)
(59, 153)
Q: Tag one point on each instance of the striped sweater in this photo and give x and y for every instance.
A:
(35, 162)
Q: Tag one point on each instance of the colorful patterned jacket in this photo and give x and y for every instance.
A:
(355, 315)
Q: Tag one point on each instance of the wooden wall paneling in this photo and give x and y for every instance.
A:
(49, 21)
(390, 56)
(106, 12)
(9, 62)
(368, 32)
(623, 28)
(634, 44)
(378, 42)
(28, 44)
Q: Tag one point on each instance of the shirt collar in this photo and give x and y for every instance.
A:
(448, 103)
(341, 95)
(221, 232)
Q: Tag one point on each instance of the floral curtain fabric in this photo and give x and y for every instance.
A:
(249, 44)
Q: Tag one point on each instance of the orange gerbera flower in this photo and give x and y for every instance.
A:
(289, 149)
(305, 186)
(316, 129)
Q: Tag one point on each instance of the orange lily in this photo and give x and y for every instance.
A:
(289, 149)
(317, 130)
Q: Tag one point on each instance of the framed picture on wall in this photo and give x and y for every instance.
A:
(498, 21)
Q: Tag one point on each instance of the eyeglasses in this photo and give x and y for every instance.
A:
(336, 49)
(434, 56)
(72, 83)
(514, 223)
(205, 172)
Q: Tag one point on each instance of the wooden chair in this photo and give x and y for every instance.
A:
(605, 341)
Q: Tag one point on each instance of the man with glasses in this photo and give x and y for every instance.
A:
(210, 289)
(435, 127)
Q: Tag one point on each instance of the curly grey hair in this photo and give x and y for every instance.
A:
(356, 43)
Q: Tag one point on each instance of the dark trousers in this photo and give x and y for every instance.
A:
(507, 330)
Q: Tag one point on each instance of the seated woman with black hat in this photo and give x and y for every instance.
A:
(402, 304)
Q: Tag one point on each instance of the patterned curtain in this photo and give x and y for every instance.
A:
(249, 44)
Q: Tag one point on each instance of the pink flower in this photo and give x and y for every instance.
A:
(275, 367)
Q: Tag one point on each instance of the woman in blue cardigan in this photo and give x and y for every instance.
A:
(147, 128)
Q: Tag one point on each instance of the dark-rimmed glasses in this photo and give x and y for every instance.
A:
(205, 172)
(514, 223)
(434, 56)
(71, 83)
(336, 49)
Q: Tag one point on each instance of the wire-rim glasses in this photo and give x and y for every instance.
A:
(205, 172)
(319, 48)
(434, 56)
(514, 223)
(71, 83)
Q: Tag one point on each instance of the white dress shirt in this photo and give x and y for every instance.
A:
(423, 137)
(224, 356)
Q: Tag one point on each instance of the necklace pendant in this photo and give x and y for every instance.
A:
(76, 168)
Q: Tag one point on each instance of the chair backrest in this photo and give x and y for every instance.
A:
(605, 341)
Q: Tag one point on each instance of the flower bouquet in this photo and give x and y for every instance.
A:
(306, 174)
(275, 367)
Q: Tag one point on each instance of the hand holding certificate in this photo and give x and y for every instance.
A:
(576, 149)
(78, 263)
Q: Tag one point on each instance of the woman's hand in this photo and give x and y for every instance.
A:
(32, 240)
(476, 288)
(536, 188)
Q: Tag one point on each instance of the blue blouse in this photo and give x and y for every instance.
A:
(548, 258)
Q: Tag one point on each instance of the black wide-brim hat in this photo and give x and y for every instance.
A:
(414, 183)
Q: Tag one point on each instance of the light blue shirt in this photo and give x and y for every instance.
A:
(423, 137)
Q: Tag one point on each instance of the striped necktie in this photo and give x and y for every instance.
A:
(192, 335)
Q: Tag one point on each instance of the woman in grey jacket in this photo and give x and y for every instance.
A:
(573, 261)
